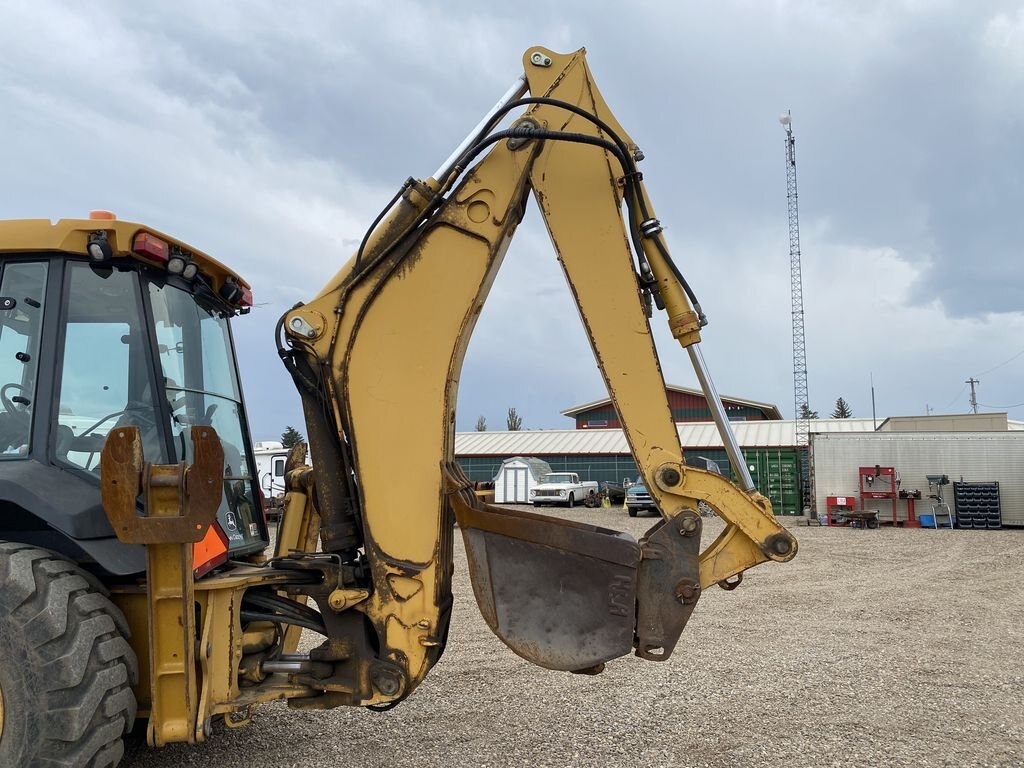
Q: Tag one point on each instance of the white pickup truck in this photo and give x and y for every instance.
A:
(562, 488)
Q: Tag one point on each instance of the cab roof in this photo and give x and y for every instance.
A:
(73, 236)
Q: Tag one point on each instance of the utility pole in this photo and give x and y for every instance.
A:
(874, 418)
(928, 410)
(974, 398)
(801, 404)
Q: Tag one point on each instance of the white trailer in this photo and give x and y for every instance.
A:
(270, 457)
(972, 456)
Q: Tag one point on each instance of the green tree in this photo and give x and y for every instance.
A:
(842, 409)
(481, 424)
(514, 421)
(807, 413)
(291, 437)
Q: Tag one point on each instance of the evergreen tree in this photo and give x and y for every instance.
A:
(842, 409)
(514, 421)
(807, 413)
(291, 437)
(481, 424)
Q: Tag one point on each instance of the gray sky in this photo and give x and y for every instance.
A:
(270, 139)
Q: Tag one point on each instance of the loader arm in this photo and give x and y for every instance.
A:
(377, 357)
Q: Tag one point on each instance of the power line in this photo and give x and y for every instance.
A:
(962, 389)
(1001, 407)
(1005, 362)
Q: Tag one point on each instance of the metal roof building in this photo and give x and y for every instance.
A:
(603, 454)
(685, 403)
(769, 450)
(749, 434)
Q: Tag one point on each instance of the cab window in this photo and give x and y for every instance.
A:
(23, 287)
(106, 380)
(201, 386)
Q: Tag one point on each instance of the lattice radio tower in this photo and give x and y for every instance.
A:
(796, 294)
(796, 291)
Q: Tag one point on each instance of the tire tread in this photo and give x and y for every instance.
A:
(79, 637)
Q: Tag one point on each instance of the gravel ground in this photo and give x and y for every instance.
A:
(872, 648)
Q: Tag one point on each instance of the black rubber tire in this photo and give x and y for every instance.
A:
(67, 668)
(632, 511)
(572, 501)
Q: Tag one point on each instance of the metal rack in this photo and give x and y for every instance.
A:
(977, 505)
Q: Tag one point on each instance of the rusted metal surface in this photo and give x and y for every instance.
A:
(126, 474)
(668, 585)
(121, 470)
(180, 503)
(296, 457)
(561, 594)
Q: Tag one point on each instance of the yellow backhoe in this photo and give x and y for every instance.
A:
(135, 577)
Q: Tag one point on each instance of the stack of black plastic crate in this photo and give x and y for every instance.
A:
(977, 505)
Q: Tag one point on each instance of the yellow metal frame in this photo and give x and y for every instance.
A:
(210, 684)
(405, 314)
(180, 692)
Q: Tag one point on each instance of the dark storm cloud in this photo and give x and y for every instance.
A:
(270, 136)
(352, 82)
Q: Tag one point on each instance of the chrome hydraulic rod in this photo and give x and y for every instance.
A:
(292, 666)
(732, 448)
(517, 89)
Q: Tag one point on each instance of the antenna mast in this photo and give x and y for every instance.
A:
(796, 289)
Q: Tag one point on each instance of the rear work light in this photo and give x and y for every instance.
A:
(99, 249)
(182, 265)
(151, 247)
(231, 291)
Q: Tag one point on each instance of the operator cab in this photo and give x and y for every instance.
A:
(106, 324)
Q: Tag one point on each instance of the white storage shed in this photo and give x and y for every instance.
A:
(516, 477)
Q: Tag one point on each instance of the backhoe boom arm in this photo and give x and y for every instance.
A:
(377, 357)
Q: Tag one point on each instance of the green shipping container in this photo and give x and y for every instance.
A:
(776, 473)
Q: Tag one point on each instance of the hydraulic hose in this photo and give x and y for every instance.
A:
(633, 195)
